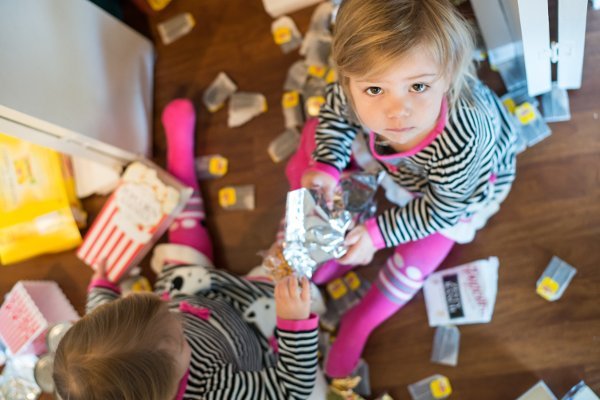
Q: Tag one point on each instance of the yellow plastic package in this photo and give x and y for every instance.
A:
(35, 214)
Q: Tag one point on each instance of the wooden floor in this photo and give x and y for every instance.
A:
(553, 209)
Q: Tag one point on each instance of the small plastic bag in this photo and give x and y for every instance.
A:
(284, 145)
(446, 343)
(296, 76)
(316, 48)
(555, 104)
(286, 34)
(292, 109)
(244, 106)
(555, 279)
(218, 92)
(321, 18)
(211, 166)
(237, 197)
(431, 388)
(176, 27)
(539, 391)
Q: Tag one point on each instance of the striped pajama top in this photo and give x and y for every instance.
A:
(230, 358)
(465, 167)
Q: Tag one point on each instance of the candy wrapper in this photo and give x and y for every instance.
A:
(314, 233)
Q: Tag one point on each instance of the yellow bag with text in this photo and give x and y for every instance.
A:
(35, 214)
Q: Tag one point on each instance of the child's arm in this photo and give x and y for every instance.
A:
(445, 199)
(293, 376)
(333, 139)
(100, 289)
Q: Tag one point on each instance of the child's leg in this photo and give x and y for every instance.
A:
(301, 160)
(179, 119)
(398, 281)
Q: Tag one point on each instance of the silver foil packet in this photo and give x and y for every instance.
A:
(315, 233)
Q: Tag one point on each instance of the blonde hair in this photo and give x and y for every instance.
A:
(369, 35)
(114, 353)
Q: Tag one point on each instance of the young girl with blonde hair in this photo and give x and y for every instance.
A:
(198, 340)
(408, 103)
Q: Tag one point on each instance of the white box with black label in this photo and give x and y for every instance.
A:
(462, 295)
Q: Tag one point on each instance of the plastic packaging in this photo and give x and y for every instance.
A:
(555, 279)
(245, 106)
(217, 93)
(176, 27)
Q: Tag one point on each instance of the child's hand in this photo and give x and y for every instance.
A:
(291, 303)
(314, 179)
(100, 270)
(360, 247)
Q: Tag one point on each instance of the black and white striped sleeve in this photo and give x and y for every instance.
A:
(101, 291)
(293, 376)
(461, 163)
(335, 133)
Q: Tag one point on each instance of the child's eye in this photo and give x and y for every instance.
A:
(374, 91)
(419, 87)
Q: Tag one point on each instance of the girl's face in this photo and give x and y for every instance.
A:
(402, 103)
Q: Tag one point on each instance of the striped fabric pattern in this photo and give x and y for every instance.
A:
(192, 215)
(230, 358)
(398, 282)
(461, 170)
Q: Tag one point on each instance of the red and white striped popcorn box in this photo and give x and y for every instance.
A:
(29, 309)
(134, 217)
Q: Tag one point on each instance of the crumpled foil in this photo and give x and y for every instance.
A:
(315, 233)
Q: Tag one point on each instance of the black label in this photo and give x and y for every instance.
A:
(455, 307)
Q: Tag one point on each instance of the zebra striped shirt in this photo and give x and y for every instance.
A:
(464, 168)
(230, 358)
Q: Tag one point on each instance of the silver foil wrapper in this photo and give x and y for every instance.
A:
(314, 233)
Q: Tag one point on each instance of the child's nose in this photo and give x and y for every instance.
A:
(398, 108)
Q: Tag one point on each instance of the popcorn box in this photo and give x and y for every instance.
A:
(137, 213)
(29, 309)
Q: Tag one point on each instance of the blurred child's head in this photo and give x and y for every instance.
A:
(132, 348)
(397, 60)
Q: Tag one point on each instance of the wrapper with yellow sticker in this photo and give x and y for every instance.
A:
(286, 34)
(211, 166)
(343, 294)
(528, 121)
(555, 279)
(239, 197)
(431, 388)
(158, 5)
(291, 105)
(35, 207)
